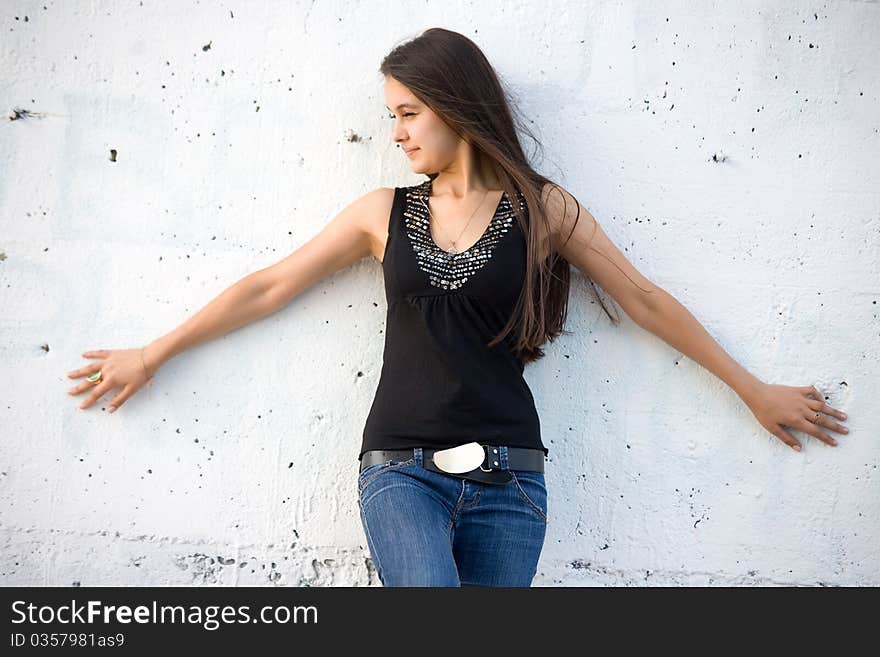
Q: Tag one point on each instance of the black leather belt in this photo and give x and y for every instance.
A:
(518, 458)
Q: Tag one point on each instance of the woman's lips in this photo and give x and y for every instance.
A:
(409, 153)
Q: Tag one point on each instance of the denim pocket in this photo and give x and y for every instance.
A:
(532, 488)
(366, 475)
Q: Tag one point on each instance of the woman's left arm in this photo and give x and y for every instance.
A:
(579, 238)
(798, 407)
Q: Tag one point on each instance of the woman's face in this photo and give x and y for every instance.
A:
(417, 127)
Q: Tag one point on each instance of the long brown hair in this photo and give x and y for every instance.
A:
(451, 75)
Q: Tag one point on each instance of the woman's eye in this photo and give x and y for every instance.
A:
(391, 116)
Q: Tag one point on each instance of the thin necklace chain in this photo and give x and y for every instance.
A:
(453, 250)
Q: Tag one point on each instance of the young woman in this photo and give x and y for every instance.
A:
(476, 263)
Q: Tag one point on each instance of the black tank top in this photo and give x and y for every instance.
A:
(440, 385)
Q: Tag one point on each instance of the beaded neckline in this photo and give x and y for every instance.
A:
(428, 188)
(450, 271)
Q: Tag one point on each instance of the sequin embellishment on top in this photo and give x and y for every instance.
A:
(449, 271)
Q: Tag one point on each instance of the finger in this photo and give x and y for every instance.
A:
(120, 398)
(818, 395)
(787, 438)
(824, 421)
(77, 389)
(97, 353)
(834, 426)
(84, 371)
(807, 426)
(825, 408)
(103, 387)
(81, 387)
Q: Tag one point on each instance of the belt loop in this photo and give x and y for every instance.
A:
(417, 453)
(504, 462)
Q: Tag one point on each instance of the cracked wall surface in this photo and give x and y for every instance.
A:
(153, 154)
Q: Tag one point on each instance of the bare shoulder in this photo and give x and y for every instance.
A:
(369, 215)
(376, 214)
(579, 238)
(357, 231)
(568, 219)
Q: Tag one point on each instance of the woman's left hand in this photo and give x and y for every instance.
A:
(797, 407)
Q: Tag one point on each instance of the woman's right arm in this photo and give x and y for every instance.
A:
(350, 236)
(347, 238)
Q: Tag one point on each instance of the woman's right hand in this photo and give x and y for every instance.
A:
(123, 368)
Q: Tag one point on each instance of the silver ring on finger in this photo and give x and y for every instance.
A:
(95, 378)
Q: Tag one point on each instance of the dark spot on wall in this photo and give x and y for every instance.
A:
(112, 154)
(207, 47)
(44, 347)
(21, 113)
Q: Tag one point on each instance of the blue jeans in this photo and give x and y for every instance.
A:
(425, 528)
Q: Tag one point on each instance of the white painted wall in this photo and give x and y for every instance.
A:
(240, 466)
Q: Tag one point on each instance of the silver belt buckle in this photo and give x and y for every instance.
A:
(462, 458)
